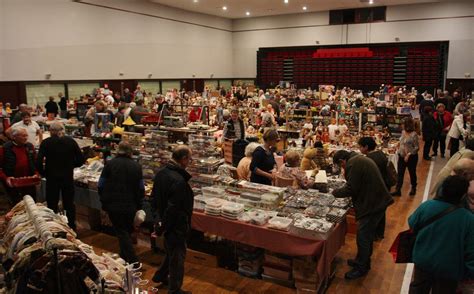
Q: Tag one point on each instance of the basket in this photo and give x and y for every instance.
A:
(25, 181)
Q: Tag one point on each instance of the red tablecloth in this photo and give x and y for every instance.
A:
(274, 240)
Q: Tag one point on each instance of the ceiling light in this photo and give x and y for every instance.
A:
(304, 7)
(224, 7)
(286, 1)
(371, 1)
(247, 13)
(195, 1)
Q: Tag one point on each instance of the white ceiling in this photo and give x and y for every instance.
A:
(238, 8)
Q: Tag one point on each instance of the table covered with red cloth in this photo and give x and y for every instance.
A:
(274, 240)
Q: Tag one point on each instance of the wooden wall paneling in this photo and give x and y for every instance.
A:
(13, 92)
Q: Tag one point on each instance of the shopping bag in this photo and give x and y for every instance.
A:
(402, 247)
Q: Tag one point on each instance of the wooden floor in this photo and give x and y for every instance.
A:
(385, 276)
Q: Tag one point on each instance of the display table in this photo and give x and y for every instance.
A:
(274, 240)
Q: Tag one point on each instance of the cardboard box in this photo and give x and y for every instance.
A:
(305, 269)
(277, 273)
(201, 258)
(278, 260)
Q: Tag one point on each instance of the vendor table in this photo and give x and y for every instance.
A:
(181, 134)
(274, 240)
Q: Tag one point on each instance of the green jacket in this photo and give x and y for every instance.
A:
(364, 184)
(446, 247)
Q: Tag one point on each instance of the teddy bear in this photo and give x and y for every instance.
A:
(307, 163)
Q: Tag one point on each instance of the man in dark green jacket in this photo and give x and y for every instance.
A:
(370, 198)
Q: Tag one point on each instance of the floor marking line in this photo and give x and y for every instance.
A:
(410, 266)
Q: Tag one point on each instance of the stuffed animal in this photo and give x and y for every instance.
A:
(307, 163)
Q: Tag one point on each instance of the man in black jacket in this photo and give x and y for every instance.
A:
(370, 198)
(429, 130)
(367, 147)
(234, 128)
(121, 190)
(174, 199)
(58, 155)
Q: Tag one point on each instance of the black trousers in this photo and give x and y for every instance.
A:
(173, 264)
(123, 227)
(427, 147)
(441, 141)
(402, 166)
(454, 146)
(15, 195)
(56, 187)
(424, 282)
(366, 232)
(380, 230)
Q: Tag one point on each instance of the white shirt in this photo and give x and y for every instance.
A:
(343, 128)
(32, 130)
(332, 132)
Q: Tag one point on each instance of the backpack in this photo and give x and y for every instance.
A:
(392, 175)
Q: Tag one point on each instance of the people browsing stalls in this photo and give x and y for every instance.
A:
(444, 250)
(443, 120)
(51, 107)
(458, 132)
(58, 155)
(429, 131)
(243, 168)
(263, 162)
(17, 159)
(121, 191)
(370, 197)
(367, 147)
(407, 157)
(35, 134)
(234, 128)
(173, 199)
(291, 169)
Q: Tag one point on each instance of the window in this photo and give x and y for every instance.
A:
(169, 85)
(150, 86)
(76, 90)
(361, 15)
(38, 94)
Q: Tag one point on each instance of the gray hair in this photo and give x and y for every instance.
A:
(250, 149)
(56, 128)
(22, 106)
(124, 148)
(16, 131)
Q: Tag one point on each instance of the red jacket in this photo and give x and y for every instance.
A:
(194, 115)
(447, 120)
(22, 166)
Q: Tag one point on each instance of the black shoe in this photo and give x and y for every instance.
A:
(355, 274)
(427, 158)
(397, 193)
(434, 155)
(442, 156)
(158, 279)
(378, 238)
(412, 192)
(352, 263)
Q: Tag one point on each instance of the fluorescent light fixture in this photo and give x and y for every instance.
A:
(195, 1)
(286, 1)
(224, 7)
(247, 13)
(304, 7)
(371, 1)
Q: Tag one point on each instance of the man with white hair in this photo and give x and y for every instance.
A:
(465, 168)
(17, 159)
(57, 157)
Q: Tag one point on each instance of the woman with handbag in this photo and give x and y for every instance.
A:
(443, 251)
